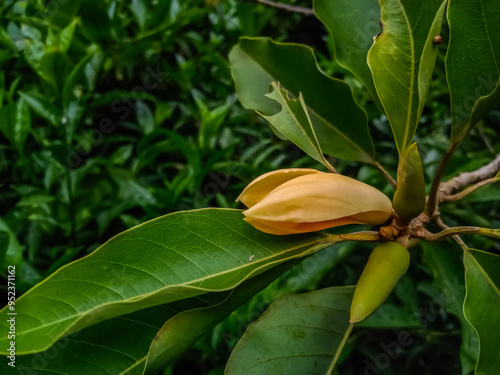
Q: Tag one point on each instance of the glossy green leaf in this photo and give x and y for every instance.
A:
(402, 60)
(173, 257)
(353, 24)
(145, 117)
(297, 334)
(472, 62)
(140, 11)
(61, 40)
(211, 120)
(125, 344)
(116, 346)
(43, 107)
(339, 123)
(86, 71)
(15, 122)
(447, 269)
(482, 304)
(51, 65)
(294, 122)
(22, 125)
(13, 254)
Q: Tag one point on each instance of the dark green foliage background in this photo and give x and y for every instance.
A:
(176, 138)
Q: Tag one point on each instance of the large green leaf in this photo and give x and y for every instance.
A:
(297, 334)
(482, 304)
(173, 257)
(447, 268)
(402, 60)
(472, 62)
(294, 122)
(353, 24)
(125, 344)
(339, 123)
(115, 346)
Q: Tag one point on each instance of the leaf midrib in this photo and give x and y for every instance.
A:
(410, 102)
(185, 285)
(489, 39)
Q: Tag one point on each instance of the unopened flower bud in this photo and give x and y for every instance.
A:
(386, 264)
(409, 199)
(305, 200)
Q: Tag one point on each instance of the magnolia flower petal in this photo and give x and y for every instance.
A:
(372, 217)
(266, 183)
(283, 227)
(322, 197)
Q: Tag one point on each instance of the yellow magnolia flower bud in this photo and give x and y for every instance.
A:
(386, 264)
(291, 201)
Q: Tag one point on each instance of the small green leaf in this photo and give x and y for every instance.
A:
(297, 334)
(145, 117)
(173, 257)
(51, 66)
(22, 125)
(61, 41)
(353, 24)
(339, 123)
(43, 107)
(472, 62)
(140, 11)
(294, 122)
(482, 304)
(402, 60)
(15, 122)
(13, 254)
(86, 70)
(211, 120)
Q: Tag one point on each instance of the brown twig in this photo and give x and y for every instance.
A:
(455, 231)
(287, 7)
(469, 178)
(470, 189)
(441, 224)
(449, 232)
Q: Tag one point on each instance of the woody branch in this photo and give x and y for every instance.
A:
(287, 7)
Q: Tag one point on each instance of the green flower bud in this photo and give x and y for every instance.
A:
(386, 264)
(409, 199)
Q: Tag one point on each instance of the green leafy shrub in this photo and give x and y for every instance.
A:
(115, 113)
